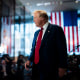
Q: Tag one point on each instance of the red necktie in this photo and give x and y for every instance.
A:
(38, 43)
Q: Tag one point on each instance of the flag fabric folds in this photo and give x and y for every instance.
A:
(68, 21)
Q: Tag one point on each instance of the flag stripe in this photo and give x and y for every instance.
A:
(57, 15)
(5, 34)
(77, 38)
(59, 18)
(51, 19)
(68, 39)
(55, 19)
(73, 38)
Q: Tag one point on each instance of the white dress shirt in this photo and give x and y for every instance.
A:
(44, 28)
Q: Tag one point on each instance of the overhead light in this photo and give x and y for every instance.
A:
(39, 4)
(47, 3)
(76, 1)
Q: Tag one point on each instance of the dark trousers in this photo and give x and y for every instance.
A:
(35, 72)
(38, 74)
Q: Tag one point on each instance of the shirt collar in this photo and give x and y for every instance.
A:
(45, 25)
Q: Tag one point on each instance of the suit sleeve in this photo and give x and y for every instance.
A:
(31, 57)
(62, 48)
(32, 51)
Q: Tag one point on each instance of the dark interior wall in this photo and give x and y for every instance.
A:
(0, 8)
(0, 17)
(7, 7)
(5, 10)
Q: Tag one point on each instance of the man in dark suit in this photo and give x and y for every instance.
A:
(52, 56)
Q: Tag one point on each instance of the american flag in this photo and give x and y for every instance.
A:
(6, 34)
(70, 29)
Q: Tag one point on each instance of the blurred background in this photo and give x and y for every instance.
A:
(17, 27)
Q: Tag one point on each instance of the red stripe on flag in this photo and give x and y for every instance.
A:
(68, 39)
(77, 37)
(7, 49)
(55, 18)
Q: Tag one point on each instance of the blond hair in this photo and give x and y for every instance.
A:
(42, 14)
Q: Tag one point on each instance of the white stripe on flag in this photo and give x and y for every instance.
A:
(75, 38)
(57, 17)
(66, 35)
(53, 18)
(71, 39)
(62, 20)
(79, 40)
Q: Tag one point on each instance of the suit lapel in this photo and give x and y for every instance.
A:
(46, 35)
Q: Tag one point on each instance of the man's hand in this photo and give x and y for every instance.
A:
(27, 63)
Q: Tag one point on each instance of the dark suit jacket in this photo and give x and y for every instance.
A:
(53, 52)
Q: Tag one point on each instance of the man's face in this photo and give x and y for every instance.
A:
(38, 20)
